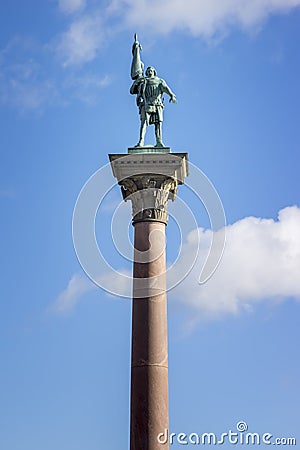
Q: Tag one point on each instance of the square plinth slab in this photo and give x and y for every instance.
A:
(173, 165)
(148, 149)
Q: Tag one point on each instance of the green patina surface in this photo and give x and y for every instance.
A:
(149, 90)
(148, 149)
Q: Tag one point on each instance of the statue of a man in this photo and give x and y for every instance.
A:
(149, 90)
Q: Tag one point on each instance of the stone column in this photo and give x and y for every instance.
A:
(149, 355)
(149, 181)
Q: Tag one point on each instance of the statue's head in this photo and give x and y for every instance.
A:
(150, 71)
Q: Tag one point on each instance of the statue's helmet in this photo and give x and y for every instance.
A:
(151, 68)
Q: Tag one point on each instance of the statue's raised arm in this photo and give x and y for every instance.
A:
(137, 66)
(149, 89)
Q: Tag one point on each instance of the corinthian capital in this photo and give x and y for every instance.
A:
(149, 195)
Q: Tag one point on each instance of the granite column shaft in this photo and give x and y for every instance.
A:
(149, 357)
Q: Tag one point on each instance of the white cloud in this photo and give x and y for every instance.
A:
(71, 6)
(81, 43)
(25, 87)
(30, 83)
(261, 262)
(200, 17)
(86, 87)
(66, 301)
(25, 82)
(80, 285)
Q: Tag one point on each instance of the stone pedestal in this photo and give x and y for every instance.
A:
(149, 180)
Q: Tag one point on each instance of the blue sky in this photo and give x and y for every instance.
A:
(64, 105)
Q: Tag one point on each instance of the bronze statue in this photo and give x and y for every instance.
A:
(149, 90)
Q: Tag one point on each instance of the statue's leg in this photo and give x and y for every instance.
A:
(142, 133)
(158, 134)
